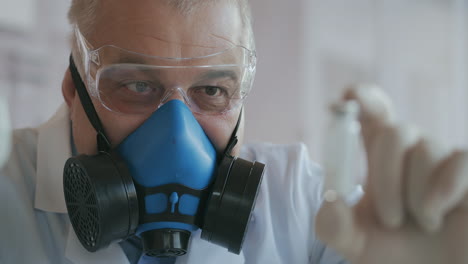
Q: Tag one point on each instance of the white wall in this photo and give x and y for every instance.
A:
(308, 51)
(33, 58)
(273, 107)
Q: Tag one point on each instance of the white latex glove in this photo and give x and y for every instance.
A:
(414, 209)
(5, 131)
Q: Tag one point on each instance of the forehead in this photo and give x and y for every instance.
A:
(156, 28)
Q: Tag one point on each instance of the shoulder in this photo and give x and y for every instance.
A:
(25, 142)
(289, 172)
(21, 166)
(270, 150)
(24, 147)
(288, 200)
(288, 161)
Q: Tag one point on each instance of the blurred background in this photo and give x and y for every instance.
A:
(308, 50)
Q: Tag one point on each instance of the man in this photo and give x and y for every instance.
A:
(136, 60)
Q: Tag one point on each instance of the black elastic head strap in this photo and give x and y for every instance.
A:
(233, 140)
(103, 143)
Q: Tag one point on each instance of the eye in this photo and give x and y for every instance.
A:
(138, 87)
(212, 90)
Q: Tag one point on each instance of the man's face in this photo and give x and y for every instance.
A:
(154, 28)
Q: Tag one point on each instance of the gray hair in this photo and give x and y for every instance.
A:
(82, 13)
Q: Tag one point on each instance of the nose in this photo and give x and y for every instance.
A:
(175, 94)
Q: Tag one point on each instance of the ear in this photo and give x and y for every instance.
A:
(68, 88)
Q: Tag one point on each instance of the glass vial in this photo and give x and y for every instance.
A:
(341, 150)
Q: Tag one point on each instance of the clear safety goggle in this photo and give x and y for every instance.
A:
(133, 83)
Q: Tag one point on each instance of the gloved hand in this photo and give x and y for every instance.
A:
(415, 206)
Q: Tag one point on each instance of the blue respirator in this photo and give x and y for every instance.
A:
(164, 181)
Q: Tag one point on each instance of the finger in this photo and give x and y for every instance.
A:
(386, 162)
(422, 160)
(448, 186)
(335, 225)
(376, 109)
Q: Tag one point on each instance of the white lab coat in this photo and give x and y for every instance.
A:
(34, 226)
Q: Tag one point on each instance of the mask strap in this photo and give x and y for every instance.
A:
(102, 141)
(233, 140)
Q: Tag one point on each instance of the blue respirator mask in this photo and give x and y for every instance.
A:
(164, 181)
